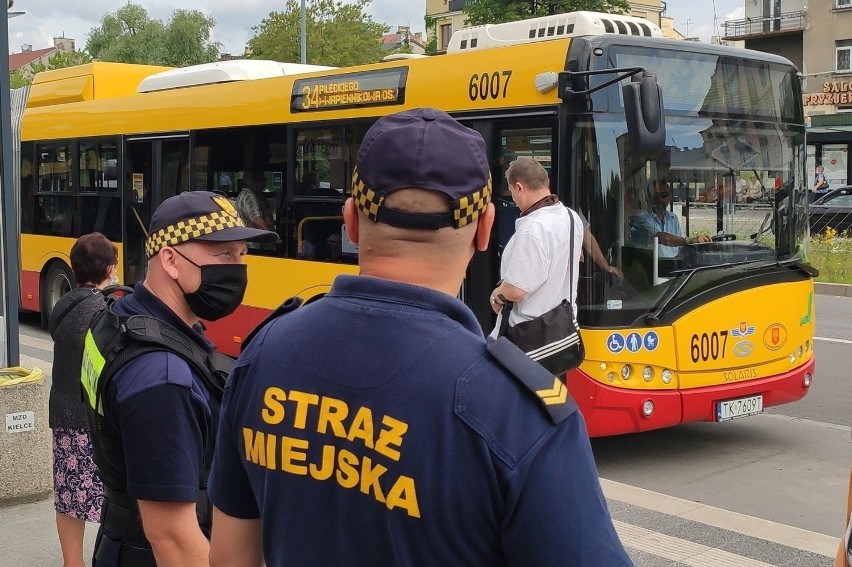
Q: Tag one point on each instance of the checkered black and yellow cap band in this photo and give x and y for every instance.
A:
(466, 209)
(368, 201)
(191, 228)
(471, 206)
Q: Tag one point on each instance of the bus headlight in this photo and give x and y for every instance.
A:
(647, 408)
(611, 376)
(801, 351)
(806, 381)
(648, 373)
(666, 376)
(626, 371)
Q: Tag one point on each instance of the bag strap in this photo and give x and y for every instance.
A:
(571, 258)
(57, 318)
(504, 317)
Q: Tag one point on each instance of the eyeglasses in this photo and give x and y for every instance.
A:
(662, 194)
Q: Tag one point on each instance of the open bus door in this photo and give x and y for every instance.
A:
(155, 168)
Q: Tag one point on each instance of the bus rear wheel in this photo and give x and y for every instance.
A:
(58, 281)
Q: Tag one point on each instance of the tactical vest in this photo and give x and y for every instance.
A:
(111, 342)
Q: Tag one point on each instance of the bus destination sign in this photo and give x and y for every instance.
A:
(350, 90)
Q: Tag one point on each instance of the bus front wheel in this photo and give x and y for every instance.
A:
(58, 281)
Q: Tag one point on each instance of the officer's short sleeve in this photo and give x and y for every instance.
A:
(556, 511)
(229, 487)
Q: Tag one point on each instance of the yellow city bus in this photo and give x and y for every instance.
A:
(707, 332)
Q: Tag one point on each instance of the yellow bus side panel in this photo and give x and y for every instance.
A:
(450, 82)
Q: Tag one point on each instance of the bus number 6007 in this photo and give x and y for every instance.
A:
(489, 85)
(708, 346)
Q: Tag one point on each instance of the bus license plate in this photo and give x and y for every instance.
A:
(741, 407)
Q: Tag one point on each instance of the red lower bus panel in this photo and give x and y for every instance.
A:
(229, 332)
(31, 291)
(614, 411)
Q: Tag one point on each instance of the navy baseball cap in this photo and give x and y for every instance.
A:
(199, 215)
(422, 148)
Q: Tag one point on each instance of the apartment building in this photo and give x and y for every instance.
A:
(817, 38)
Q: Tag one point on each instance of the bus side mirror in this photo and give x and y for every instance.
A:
(643, 109)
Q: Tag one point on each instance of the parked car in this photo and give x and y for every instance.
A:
(833, 209)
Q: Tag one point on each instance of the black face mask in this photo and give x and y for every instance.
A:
(221, 291)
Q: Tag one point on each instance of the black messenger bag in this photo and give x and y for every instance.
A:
(553, 339)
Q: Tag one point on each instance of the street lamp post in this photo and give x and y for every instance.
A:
(304, 26)
(9, 294)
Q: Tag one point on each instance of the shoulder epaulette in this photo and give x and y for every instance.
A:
(290, 305)
(550, 390)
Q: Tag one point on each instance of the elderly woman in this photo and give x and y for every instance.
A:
(78, 492)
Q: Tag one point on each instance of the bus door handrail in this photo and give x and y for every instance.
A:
(302, 222)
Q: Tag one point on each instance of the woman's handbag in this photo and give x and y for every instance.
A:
(552, 339)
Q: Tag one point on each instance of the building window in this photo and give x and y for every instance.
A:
(843, 3)
(844, 50)
(446, 34)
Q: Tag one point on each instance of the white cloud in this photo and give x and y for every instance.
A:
(45, 19)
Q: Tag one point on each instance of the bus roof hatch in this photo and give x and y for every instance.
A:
(559, 26)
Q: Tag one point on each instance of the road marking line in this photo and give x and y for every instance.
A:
(790, 536)
(833, 340)
(680, 550)
(825, 424)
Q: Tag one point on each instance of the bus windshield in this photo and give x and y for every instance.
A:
(727, 192)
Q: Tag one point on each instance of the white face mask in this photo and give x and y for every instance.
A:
(114, 280)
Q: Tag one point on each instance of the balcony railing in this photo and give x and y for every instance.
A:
(786, 22)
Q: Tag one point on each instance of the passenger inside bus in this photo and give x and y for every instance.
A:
(251, 202)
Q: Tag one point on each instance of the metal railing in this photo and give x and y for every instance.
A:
(786, 22)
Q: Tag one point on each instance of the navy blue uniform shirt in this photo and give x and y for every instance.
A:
(163, 411)
(371, 428)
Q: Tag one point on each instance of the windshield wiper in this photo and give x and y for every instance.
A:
(763, 228)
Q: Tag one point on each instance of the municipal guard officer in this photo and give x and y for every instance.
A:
(377, 426)
(149, 380)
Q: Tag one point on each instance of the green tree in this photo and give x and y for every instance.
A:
(186, 40)
(61, 59)
(129, 35)
(339, 34)
(498, 11)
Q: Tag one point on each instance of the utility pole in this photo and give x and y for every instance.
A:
(688, 21)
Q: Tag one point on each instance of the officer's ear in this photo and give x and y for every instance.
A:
(167, 258)
(483, 228)
(350, 217)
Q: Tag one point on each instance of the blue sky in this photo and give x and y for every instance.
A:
(695, 18)
(45, 19)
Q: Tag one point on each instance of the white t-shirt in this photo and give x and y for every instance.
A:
(537, 260)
